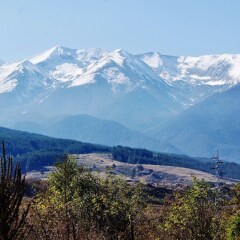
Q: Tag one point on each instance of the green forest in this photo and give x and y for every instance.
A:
(142, 156)
(34, 151)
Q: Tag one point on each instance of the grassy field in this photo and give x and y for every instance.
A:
(146, 173)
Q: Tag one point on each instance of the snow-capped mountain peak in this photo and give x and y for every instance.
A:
(22, 75)
(200, 76)
(108, 66)
(65, 64)
(26, 65)
(118, 56)
(195, 77)
(88, 56)
(206, 67)
(55, 52)
(122, 70)
(6, 70)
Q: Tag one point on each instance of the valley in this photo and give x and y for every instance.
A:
(119, 120)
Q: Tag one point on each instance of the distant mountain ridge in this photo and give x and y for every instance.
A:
(199, 77)
(145, 92)
(85, 128)
(59, 67)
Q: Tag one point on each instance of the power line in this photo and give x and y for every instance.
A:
(217, 164)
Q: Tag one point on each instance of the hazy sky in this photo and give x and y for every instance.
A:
(176, 27)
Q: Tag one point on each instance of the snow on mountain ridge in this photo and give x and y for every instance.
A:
(217, 66)
(7, 84)
(77, 66)
(88, 56)
(197, 77)
(55, 51)
(25, 77)
(206, 67)
(65, 64)
(122, 70)
(82, 56)
(107, 67)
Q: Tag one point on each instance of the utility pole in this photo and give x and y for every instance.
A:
(217, 163)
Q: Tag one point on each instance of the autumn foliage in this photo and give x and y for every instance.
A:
(75, 203)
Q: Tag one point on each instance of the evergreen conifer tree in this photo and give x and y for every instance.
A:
(12, 219)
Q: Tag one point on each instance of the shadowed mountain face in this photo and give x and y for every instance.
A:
(166, 97)
(93, 130)
(207, 126)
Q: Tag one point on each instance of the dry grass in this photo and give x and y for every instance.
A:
(161, 175)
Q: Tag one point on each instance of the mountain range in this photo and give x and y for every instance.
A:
(165, 103)
(93, 130)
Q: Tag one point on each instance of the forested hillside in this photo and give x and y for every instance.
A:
(142, 156)
(34, 151)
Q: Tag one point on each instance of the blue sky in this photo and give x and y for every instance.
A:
(175, 27)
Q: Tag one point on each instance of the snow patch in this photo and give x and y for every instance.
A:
(200, 77)
(116, 77)
(215, 83)
(66, 72)
(88, 79)
(154, 61)
(7, 86)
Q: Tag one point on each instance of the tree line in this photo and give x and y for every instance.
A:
(143, 156)
(34, 151)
